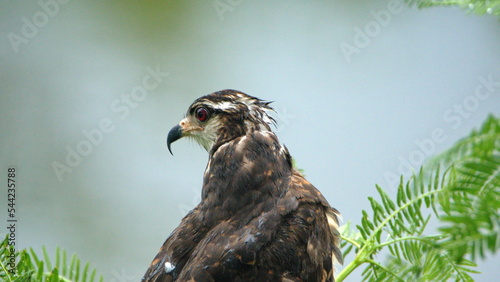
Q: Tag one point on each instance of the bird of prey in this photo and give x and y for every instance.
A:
(259, 219)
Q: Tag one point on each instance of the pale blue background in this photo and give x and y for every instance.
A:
(346, 123)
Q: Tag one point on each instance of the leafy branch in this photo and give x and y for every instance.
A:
(25, 265)
(477, 6)
(464, 198)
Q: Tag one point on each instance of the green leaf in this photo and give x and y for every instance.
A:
(461, 187)
(30, 268)
(477, 6)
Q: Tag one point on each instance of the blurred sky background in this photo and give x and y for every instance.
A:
(348, 120)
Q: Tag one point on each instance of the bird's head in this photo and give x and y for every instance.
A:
(217, 118)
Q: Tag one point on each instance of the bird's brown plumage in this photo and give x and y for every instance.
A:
(259, 219)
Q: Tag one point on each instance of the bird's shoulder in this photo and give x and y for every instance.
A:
(306, 240)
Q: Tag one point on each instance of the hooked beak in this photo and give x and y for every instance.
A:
(174, 135)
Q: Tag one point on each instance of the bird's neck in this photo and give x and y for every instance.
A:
(240, 126)
(245, 175)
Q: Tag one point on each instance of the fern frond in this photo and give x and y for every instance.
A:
(421, 261)
(479, 143)
(28, 266)
(472, 222)
(465, 198)
(398, 221)
(477, 6)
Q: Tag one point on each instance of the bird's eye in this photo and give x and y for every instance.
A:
(202, 114)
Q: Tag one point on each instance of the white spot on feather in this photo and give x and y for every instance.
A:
(266, 133)
(242, 139)
(266, 119)
(169, 267)
(282, 150)
(208, 168)
(332, 222)
(224, 106)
